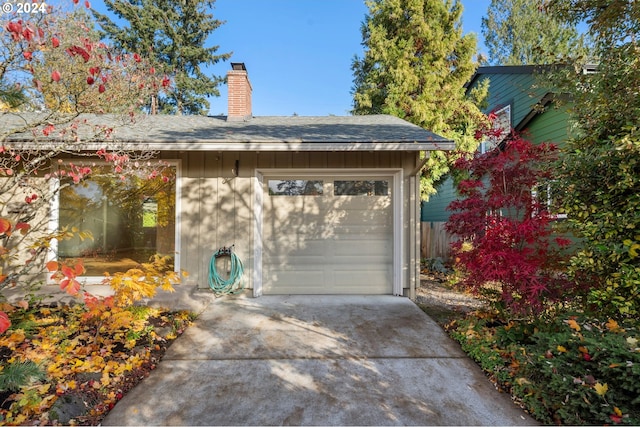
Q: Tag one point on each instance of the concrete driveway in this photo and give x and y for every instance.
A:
(315, 360)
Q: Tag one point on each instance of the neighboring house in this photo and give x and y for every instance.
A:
(521, 101)
(311, 205)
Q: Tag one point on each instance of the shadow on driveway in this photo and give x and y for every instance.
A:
(315, 360)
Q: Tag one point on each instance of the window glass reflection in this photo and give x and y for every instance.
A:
(361, 188)
(129, 220)
(295, 187)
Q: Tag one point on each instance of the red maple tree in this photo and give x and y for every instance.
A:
(505, 242)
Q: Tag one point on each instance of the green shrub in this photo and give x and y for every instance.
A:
(571, 369)
(477, 339)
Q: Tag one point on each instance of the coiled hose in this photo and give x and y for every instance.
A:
(234, 283)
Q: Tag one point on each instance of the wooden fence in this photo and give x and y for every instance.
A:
(434, 240)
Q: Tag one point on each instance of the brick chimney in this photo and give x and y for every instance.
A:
(239, 93)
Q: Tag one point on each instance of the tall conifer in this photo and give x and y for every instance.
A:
(172, 34)
(415, 65)
(520, 32)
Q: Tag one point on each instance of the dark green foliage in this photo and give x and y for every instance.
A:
(611, 22)
(172, 35)
(415, 66)
(579, 377)
(600, 171)
(567, 370)
(11, 97)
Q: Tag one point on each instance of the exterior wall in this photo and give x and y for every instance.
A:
(517, 90)
(14, 208)
(218, 209)
(521, 90)
(435, 210)
(552, 126)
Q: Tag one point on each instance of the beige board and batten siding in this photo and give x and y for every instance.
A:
(218, 208)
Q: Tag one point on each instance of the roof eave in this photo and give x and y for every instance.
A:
(440, 145)
(307, 146)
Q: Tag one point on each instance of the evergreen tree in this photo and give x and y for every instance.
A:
(172, 35)
(522, 32)
(415, 66)
(11, 96)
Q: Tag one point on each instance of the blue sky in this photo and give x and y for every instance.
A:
(298, 53)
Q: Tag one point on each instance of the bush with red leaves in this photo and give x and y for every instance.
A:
(505, 237)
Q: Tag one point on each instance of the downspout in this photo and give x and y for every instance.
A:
(414, 249)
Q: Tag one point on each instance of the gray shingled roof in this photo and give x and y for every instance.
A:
(380, 132)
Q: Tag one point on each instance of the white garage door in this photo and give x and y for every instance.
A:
(328, 235)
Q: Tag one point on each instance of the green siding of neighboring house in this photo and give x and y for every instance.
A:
(552, 126)
(436, 209)
(515, 90)
(521, 87)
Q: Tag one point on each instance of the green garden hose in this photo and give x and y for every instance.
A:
(234, 283)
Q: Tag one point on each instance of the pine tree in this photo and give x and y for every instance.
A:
(10, 97)
(415, 66)
(172, 35)
(523, 32)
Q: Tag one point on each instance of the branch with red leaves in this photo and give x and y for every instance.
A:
(63, 70)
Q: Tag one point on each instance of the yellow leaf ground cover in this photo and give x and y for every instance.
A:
(71, 364)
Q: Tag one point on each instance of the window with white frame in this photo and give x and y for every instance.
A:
(501, 126)
(129, 218)
(361, 188)
(547, 195)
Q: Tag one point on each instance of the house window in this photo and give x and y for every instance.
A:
(501, 126)
(361, 188)
(295, 187)
(548, 196)
(129, 220)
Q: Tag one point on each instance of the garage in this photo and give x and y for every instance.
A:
(328, 234)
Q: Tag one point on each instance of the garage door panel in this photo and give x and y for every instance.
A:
(301, 263)
(295, 282)
(299, 204)
(326, 243)
(369, 282)
(307, 234)
(298, 234)
(294, 225)
(295, 246)
(361, 202)
(361, 232)
(374, 250)
(365, 217)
